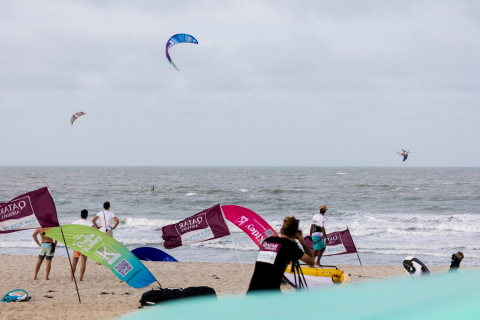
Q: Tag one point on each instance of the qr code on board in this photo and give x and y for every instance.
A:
(269, 233)
(123, 267)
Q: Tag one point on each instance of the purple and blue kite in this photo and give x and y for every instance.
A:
(176, 39)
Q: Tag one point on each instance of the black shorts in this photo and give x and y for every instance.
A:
(43, 257)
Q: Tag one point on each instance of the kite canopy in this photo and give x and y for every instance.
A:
(76, 116)
(176, 39)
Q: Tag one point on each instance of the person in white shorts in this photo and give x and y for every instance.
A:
(105, 218)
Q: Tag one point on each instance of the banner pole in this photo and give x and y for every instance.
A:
(71, 267)
(355, 247)
(66, 248)
(233, 241)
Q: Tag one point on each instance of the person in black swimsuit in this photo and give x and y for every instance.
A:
(276, 253)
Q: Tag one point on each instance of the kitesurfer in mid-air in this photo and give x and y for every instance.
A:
(404, 154)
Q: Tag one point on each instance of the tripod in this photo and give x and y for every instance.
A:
(298, 274)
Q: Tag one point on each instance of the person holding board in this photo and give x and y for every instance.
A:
(317, 234)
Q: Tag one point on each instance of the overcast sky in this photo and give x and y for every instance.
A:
(272, 83)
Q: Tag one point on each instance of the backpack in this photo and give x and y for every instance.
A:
(153, 297)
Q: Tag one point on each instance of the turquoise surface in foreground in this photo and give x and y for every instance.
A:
(449, 296)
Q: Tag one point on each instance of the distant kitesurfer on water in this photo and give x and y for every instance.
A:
(404, 154)
(153, 189)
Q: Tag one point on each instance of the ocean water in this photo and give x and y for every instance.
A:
(429, 213)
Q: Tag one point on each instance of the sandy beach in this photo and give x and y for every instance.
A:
(104, 296)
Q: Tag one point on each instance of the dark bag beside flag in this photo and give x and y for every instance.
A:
(206, 225)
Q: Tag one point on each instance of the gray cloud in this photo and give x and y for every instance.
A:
(271, 83)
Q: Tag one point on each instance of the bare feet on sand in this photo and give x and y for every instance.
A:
(71, 279)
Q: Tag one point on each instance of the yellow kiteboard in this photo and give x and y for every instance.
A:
(337, 276)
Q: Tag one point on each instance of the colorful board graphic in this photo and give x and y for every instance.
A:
(105, 250)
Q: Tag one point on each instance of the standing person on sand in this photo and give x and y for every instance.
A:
(106, 216)
(47, 249)
(76, 255)
(317, 230)
(274, 255)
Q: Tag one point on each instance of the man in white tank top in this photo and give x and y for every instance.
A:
(104, 219)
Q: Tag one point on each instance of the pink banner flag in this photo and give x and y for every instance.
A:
(206, 225)
(250, 223)
(31, 210)
(340, 242)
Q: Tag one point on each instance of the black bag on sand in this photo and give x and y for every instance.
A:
(197, 291)
(153, 297)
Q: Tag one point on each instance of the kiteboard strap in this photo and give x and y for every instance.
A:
(233, 241)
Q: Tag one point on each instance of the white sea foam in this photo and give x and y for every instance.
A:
(425, 247)
(18, 244)
(463, 227)
(191, 194)
(147, 222)
(407, 253)
(243, 190)
(226, 245)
